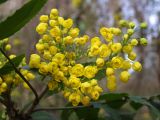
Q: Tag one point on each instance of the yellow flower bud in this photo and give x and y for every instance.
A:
(8, 47)
(74, 82)
(90, 71)
(109, 71)
(30, 76)
(44, 18)
(85, 100)
(74, 32)
(137, 66)
(41, 28)
(68, 40)
(68, 23)
(126, 65)
(134, 42)
(132, 55)
(124, 76)
(100, 62)
(116, 47)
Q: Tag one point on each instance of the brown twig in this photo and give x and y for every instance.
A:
(19, 73)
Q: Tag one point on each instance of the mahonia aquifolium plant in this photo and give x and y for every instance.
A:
(73, 61)
(12, 78)
(61, 51)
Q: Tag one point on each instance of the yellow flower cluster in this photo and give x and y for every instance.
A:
(62, 55)
(12, 78)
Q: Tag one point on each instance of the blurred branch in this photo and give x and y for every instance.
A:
(20, 74)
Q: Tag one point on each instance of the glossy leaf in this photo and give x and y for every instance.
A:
(7, 68)
(22, 16)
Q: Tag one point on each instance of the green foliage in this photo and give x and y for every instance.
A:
(2, 1)
(41, 115)
(7, 68)
(112, 104)
(22, 16)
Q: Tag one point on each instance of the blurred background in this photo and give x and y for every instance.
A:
(89, 16)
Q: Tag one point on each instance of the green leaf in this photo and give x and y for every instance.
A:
(42, 115)
(7, 68)
(113, 113)
(65, 115)
(2, 1)
(114, 100)
(22, 16)
(137, 100)
(101, 74)
(87, 113)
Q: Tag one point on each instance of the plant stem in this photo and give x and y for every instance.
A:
(39, 98)
(19, 73)
(61, 108)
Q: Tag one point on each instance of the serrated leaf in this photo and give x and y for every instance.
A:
(2, 1)
(22, 16)
(42, 115)
(7, 68)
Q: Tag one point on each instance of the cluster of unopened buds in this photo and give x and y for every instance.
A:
(12, 78)
(73, 61)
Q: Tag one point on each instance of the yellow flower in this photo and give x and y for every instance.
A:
(116, 47)
(59, 58)
(111, 83)
(7, 47)
(86, 88)
(94, 50)
(93, 82)
(68, 23)
(55, 31)
(54, 12)
(44, 18)
(132, 55)
(59, 76)
(116, 31)
(68, 40)
(74, 32)
(109, 71)
(85, 100)
(137, 66)
(46, 37)
(127, 48)
(30, 76)
(53, 50)
(96, 41)
(75, 99)
(47, 55)
(97, 88)
(52, 85)
(100, 62)
(117, 62)
(44, 68)
(25, 85)
(126, 65)
(53, 23)
(104, 51)
(34, 61)
(95, 95)
(106, 33)
(124, 76)
(90, 71)
(77, 70)
(134, 42)
(60, 20)
(74, 82)
(41, 28)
